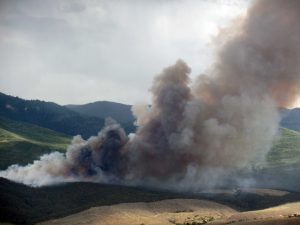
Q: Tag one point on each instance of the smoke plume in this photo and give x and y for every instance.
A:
(196, 134)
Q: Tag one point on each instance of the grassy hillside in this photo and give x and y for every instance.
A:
(23, 142)
(286, 150)
(282, 167)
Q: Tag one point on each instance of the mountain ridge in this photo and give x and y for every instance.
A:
(49, 115)
(88, 119)
(103, 109)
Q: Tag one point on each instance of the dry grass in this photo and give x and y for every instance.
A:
(176, 211)
(181, 212)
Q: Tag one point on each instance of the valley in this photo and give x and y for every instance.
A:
(92, 203)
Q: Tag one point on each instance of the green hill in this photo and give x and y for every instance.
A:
(23, 142)
(282, 167)
(286, 150)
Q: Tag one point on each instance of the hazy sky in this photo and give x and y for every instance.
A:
(84, 51)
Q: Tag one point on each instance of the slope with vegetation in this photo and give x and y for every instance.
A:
(103, 109)
(286, 150)
(49, 115)
(22, 143)
(282, 167)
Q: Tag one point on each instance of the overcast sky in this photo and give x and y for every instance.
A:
(84, 51)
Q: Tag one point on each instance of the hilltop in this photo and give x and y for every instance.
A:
(49, 115)
(103, 109)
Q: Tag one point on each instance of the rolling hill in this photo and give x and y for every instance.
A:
(88, 119)
(122, 113)
(282, 167)
(103, 109)
(286, 150)
(23, 142)
(49, 115)
(21, 204)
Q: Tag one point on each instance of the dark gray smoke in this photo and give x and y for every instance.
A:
(196, 135)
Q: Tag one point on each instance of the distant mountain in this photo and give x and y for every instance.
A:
(49, 115)
(103, 109)
(291, 119)
(122, 113)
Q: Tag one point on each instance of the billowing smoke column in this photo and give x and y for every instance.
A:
(195, 135)
(93, 160)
